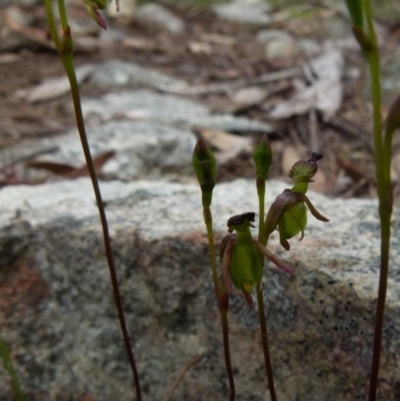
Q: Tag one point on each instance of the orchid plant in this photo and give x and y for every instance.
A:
(242, 256)
(364, 32)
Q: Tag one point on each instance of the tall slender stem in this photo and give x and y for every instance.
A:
(106, 235)
(211, 246)
(227, 352)
(263, 239)
(66, 55)
(260, 183)
(223, 301)
(264, 339)
(382, 166)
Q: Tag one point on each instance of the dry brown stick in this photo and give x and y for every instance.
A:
(193, 361)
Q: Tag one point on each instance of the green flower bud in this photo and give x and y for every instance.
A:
(204, 166)
(262, 157)
(93, 6)
(356, 13)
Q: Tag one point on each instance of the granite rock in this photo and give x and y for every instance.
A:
(57, 311)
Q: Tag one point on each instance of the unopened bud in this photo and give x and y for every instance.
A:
(262, 157)
(93, 6)
(204, 166)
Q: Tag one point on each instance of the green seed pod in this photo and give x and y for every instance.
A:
(204, 166)
(262, 157)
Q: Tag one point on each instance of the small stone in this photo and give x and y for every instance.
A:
(157, 16)
(278, 44)
(249, 96)
(248, 12)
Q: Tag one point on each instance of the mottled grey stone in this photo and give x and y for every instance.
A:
(58, 313)
(166, 109)
(157, 16)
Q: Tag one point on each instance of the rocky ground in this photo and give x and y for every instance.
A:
(295, 72)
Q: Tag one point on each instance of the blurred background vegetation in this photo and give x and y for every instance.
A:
(384, 10)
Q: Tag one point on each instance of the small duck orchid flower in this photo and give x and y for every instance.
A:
(242, 257)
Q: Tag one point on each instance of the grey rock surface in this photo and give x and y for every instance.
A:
(57, 311)
(167, 109)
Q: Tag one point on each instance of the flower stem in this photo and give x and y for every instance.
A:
(263, 239)
(382, 166)
(223, 301)
(260, 183)
(264, 339)
(66, 56)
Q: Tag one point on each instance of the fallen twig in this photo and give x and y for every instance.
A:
(193, 361)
